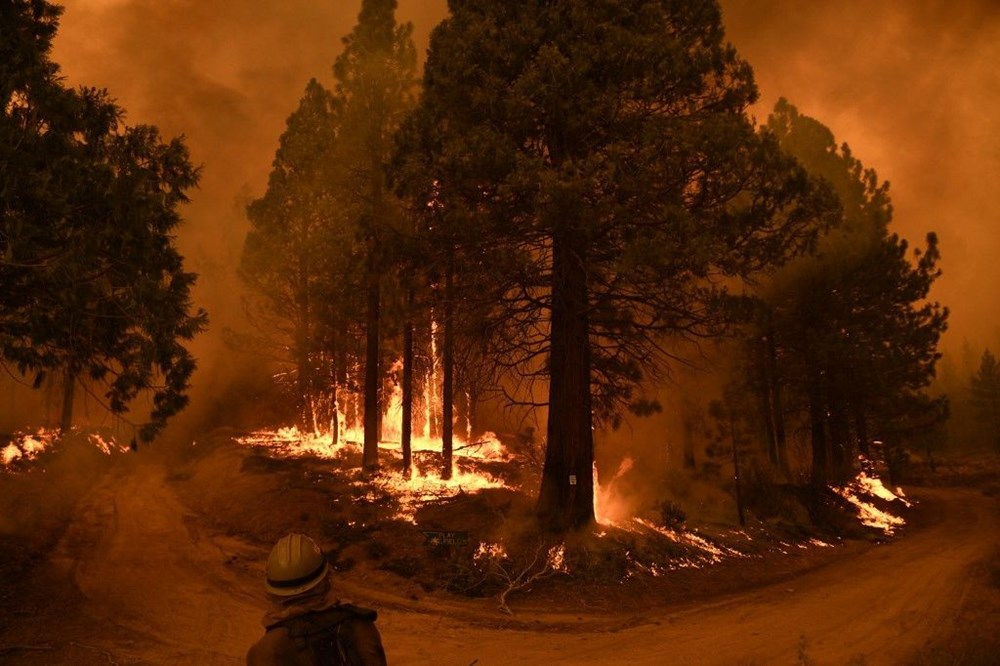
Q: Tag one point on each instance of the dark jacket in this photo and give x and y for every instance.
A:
(318, 631)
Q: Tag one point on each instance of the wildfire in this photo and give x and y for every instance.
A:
(870, 515)
(422, 485)
(611, 509)
(27, 446)
(428, 486)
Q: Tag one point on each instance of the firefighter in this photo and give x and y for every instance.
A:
(307, 624)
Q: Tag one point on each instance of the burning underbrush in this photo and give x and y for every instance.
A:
(476, 535)
(25, 450)
(42, 478)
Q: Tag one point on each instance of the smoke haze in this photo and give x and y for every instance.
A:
(912, 87)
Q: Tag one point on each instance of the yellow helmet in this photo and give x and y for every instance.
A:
(295, 565)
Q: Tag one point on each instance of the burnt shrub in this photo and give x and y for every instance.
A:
(672, 516)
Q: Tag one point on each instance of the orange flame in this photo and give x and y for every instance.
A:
(871, 516)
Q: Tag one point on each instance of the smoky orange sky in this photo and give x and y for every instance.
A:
(912, 86)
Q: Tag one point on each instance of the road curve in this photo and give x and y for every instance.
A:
(144, 566)
(877, 608)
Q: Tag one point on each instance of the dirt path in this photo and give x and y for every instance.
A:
(157, 590)
(143, 567)
(875, 609)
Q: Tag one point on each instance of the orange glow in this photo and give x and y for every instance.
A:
(609, 507)
(27, 446)
(428, 486)
(864, 488)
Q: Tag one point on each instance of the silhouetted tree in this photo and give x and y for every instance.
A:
(375, 86)
(598, 158)
(848, 330)
(985, 394)
(297, 252)
(93, 285)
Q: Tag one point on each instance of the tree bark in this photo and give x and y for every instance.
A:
(372, 374)
(69, 390)
(448, 362)
(840, 444)
(817, 430)
(406, 432)
(776, 408)
(736, 470)
(566, 498)
(306, 416)
(861, 430)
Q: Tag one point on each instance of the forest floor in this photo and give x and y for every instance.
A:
(156, 557)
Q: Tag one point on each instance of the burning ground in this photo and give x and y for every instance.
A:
(156, 557)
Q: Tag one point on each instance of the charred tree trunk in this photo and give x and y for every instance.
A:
(566, 498)
(689, 419)
(372, 374)
(840, 436)
(861, 429)
(406, 431)
(305, 416)
(69, 391)
(776, 408)
(817, 430)
(448, 378)
(736, 470)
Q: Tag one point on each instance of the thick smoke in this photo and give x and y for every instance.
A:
(912, 88)
(226, 74)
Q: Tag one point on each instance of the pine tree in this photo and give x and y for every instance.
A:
(599, 160)
(297, 251)
(850, 333)
(93, 285)
(985, 394)
(375, 86)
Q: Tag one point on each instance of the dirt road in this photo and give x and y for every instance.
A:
(156, 589)
(875, 609)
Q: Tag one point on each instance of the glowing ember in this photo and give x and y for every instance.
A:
(873, 486)
(292, 443)
(423, 487)
(27, 446)
(715, 553)
(489, 551)
(557, 559)
(409, 491)
(107, 447)
(870, 515)
(9, 454)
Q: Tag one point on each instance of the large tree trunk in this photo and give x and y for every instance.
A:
(306, 417)
(448, 361)
(566, 498)
(406, 431)
(689, 420)
(736, 470)
(372, 374)
(861, 429)
(69, 389)
(817, 429)
(840, 436)
(776, 408)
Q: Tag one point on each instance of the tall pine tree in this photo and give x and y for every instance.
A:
(376, 76)
(93, 285)
(601, 163)
(848, 334)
